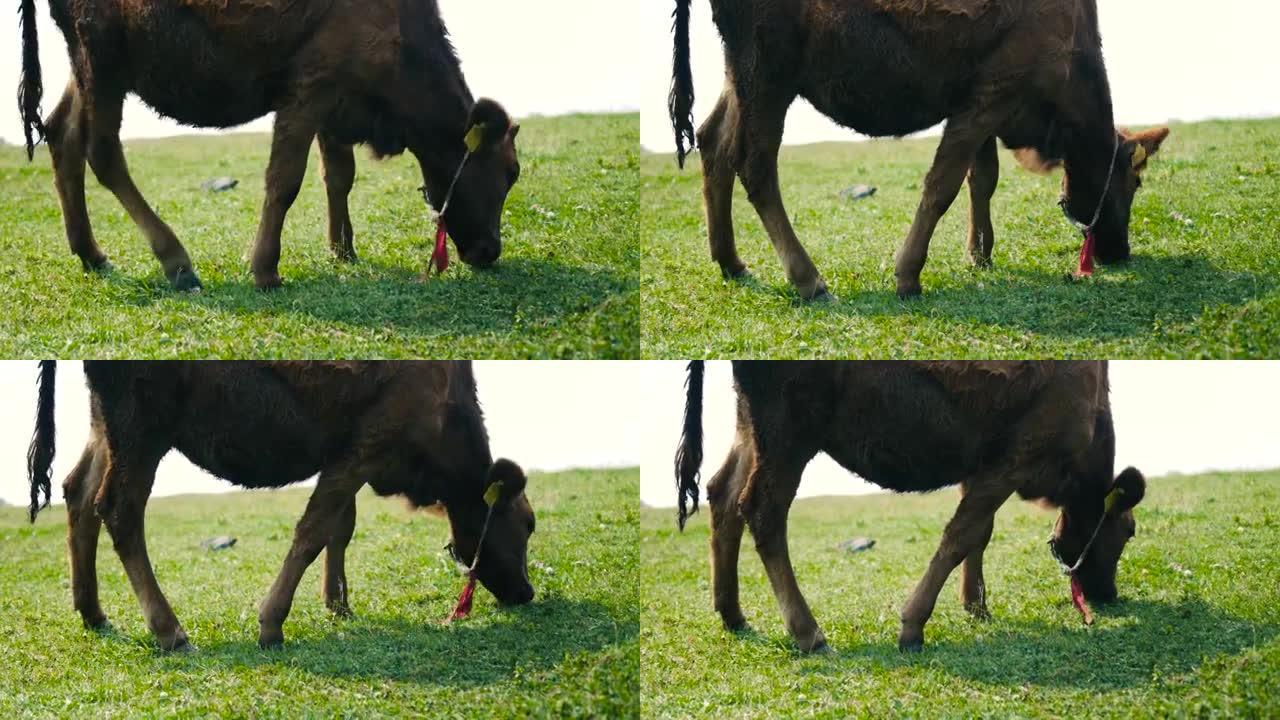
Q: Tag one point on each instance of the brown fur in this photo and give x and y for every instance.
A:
(1027, 72)
(1041, 430)
(378, 72)
(405, 428)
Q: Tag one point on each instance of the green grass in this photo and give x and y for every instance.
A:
(1204, 281)
(567, 284)
(1197, 631)
(573, 652)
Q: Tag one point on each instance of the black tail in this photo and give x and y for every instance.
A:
(680, 100)
(30, 86)
(40, 453)
(689, 454)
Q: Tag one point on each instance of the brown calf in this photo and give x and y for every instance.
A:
(405, 428)
(1028, 72)
(1042, 430)
(380, 72)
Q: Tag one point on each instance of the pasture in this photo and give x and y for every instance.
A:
(567, 284)
(1204, 280)
(1196, 633)
(573, 652)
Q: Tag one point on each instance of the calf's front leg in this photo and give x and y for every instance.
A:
(967, 532)
(334, 583)
(320, 523)
(956, 151)
(290, 142)
(983, 176)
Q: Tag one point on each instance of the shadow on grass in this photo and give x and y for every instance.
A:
(1170, 290)
(535, 637)
(517, 292)
(1141, 638)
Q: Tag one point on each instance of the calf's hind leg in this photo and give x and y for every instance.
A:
(68, 137)
(716, 147)
(761, 136)
(765, 505)
(83, 527)
(726, 535)
(106, 157)
(334, 583)
(128, 483)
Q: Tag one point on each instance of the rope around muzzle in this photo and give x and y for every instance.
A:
(1077, 591)
(1085, 265)
(440, 253)
(463, 607)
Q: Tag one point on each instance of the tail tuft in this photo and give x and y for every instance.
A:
(30, 84)
(680, 99)
(689, 454)
(41, 451)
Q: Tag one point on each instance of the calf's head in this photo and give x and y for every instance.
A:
(503, 568)
(1112, 230)
(474, 215)
(1097, 571)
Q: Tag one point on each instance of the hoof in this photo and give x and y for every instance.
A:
(271, 641)
(822, 297)
(982, 263)
(101, 627)
(95, 620)
(177, 643)
(910, 642)
(186, 281)
(184, 647)
(341, 610)
(100, 267)
(735, 272)
(270, 281)
(822, 648)
(978, 611)
(735, 624)
(344, 256)
(816, 644)
(909, 291)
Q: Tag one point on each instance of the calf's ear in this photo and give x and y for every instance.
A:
(1127, 491)
(505, 483)
(1144, 145)
(487, 124)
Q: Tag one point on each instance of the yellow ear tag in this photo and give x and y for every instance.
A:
(491, 493)
(1112, 497)
(473, 137)
(1139, 156)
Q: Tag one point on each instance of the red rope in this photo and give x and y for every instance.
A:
(1086, 255)
(463, 608)
(1077, 597)
(440, 256)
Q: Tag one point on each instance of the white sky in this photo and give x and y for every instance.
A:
(544, 415)
(1183, 417)
(548, 57)
(1167, 60)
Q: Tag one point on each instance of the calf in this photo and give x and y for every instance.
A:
(1042, 430)
(377, 72)
(406, 428)
(1028, 72)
